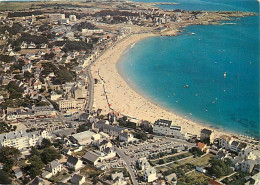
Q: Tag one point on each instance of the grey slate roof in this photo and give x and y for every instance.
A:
(206, 131)
(91, 156)
(36, 181)
(17, 134)
(235, 143)
(72, 160)
(52, 165)
(76, 178)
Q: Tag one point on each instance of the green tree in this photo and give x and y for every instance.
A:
(36, 166)
(9, 156)
(219, 168)
(45, 143)
(50, 154)
(4, 178)
(161, 161)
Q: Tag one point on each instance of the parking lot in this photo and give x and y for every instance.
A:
(152, 147)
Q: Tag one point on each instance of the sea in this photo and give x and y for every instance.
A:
(208, 74)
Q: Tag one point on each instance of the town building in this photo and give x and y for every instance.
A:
(207, 134)
(52, 169)
(225, 141)
(150, 174)
(248, 166)
(118, 179)
(126, 137)
(22, 139)
(85, 138)
(77, 179)
(74, 163)
(166, 127)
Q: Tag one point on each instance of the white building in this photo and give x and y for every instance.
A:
(150, 174)
(72, 18)
(90, 32)
(77, 179)
(166, 128)
(126, 137)
(143, 163)
(248, 153)
(85, 138)
(52, 169)
(248, 166)
(225, 141)
(74, 163)
(56, 17)
(118, 179)
(71, 104)
(22, 139)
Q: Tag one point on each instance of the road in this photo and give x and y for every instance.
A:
(128, 167)
(90, 88)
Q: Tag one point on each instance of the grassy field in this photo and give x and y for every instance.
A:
(203, 161)
(194, 178)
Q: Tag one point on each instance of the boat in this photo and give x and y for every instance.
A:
(225, 74)
(186, 86)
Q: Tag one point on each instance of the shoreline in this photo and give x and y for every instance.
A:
(127, 100)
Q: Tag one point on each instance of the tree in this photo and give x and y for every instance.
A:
(36, 166)
(161, 161)
(82, 128)
(219, 168)
(35, 151)
(45, 143)
(50, 154)
(9, 156)
(4, 178)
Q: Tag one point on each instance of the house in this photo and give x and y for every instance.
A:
(52, 169)
(102, 144)
(109, 153)
(86, 137)
(55, 96)
(74, 163)
(254, 180)
(17, 172)
(237, 161)
(32, 45)
(248, 166)
(214, 182)
(150, 174)
(126, 137)
(234, 146)
(118, 179)
(113, 131)
(203, 147)
(37, 181)
(221, 155)
(143, 163)
(207, 134)
(225, 141)
(171, 179)
(77, 179)
(92, 157)
(166, 128)
(241, 146)
(22, 139)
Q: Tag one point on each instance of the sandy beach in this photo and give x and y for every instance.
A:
(126, 100)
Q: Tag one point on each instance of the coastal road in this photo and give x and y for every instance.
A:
(128, 167)
(91, 88)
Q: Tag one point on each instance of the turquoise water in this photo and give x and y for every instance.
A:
(161, 67)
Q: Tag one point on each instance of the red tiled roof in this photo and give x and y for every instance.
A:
(201, 145)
